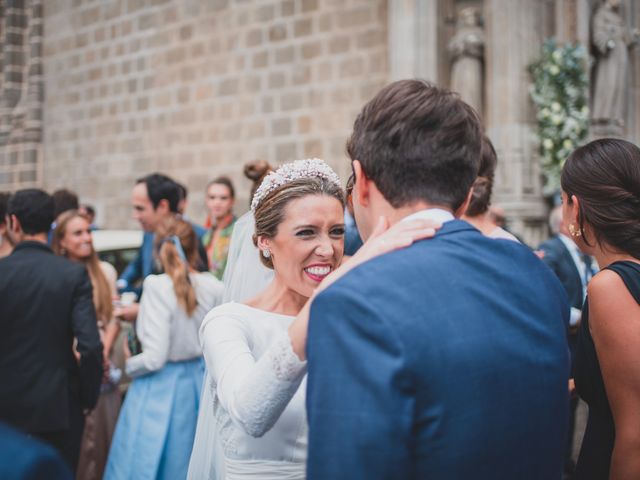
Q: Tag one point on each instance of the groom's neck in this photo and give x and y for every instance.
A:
(394, 215)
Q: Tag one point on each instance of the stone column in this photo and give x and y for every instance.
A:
(572, 21)
(573, 24)
(413, 39)
(513, 40)
(22, 94)
(583, 27)
(633, 111)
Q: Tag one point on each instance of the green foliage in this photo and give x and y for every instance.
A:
(559, 92)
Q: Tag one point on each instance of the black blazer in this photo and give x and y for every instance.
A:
(559, 259)
(45, 302)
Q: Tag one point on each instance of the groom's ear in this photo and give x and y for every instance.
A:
(14, 224)
(361, 186)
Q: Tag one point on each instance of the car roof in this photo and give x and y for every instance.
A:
(105, 240)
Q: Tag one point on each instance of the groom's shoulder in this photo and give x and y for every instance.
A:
(430, 252)
(453, 251)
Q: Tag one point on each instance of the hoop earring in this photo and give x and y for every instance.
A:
(266, 254)
(573, 231)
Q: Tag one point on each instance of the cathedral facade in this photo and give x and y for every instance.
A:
(96, 93)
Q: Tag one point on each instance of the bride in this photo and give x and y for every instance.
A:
(252, 421)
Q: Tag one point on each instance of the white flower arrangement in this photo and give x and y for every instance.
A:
(289, 172)
(559, 92)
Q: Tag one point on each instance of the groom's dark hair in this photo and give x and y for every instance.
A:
(418, 142)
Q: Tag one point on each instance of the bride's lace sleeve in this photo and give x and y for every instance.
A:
(253, 391)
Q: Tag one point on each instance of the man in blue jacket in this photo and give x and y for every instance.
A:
(153, 198)
(574, 269)
(446, 359)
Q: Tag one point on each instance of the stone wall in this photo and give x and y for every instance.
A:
(21, 93)
(196, 88)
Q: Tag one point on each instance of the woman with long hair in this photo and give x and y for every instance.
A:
(252, 423)
(157, 424)
(601, 207)
(72, 239)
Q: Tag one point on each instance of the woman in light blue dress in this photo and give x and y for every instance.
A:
(155, 431)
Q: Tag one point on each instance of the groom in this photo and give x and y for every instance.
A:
(447, 359)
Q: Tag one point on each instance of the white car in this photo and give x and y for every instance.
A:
(118, 247)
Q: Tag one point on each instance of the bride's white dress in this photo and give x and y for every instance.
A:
(252, 421)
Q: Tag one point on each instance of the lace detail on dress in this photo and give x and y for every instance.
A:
(253, 388)
(285, 363)
(266, 392)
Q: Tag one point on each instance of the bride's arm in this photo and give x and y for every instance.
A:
(256, 392)
(253, 392)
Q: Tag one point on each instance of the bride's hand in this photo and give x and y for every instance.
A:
(385, 239)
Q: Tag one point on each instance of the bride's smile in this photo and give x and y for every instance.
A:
(308, 244)
(317, 272)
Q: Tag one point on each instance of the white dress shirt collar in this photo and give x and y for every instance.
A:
(435, 214)
(576, 255)
(571, 246)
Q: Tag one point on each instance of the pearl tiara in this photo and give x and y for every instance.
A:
(289, 172)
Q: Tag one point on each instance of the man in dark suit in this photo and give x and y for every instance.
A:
(574, 269)
(446, 359)
(46, 304)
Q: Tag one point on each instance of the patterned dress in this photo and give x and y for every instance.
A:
(217, 246)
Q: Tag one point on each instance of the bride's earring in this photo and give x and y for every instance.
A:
(266, 253)
(575, 232)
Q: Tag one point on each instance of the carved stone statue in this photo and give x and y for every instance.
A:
(467, 50)
(611, 40)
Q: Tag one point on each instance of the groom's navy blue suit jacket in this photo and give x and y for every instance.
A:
(444, 360)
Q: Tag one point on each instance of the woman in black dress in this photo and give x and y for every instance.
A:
(601, 197)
